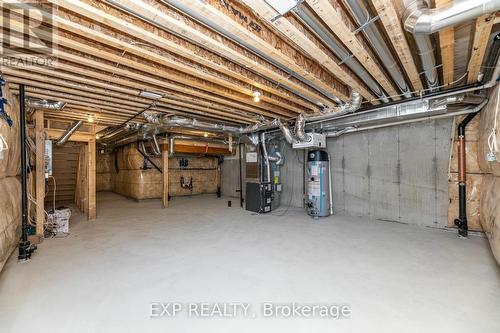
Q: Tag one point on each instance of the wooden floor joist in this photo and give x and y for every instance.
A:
(153, 39)
(309, 47)
(447, 46)
(93, 65)
(230, 20)
(482, 33)
(88, 76)
(343, 30)
(392, 23)
(148, 68)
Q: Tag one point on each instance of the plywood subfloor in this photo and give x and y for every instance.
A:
(103, 277)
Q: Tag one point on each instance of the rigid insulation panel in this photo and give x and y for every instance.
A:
(10, 216)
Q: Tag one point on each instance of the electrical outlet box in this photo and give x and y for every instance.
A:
(314, 140)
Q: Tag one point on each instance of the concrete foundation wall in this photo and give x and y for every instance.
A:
(396, 174)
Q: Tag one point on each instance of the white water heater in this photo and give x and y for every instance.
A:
(318, 183)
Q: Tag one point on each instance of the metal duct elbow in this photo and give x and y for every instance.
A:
(69, 132)
(277, 158)
(419, 19)
(353, 104)
(287, 133)
(300, 128)
(156, 146)
(151, 117)
(44, 104)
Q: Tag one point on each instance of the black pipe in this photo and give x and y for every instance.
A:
(461, 221)
(25, 248)
(240, 152)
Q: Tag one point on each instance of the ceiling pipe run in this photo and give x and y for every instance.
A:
(335, 46)
(69, 132)
(420, 19)
(375, 38)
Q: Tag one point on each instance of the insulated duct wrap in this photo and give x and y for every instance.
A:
(44, 104)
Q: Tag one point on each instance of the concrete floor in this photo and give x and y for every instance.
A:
(104, 276)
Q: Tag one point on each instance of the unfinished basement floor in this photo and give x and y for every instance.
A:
(104, 276)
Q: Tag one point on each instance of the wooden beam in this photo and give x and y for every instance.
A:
(87, 76)
(447, 45)
(165, 178)
(482, 33)
(40, 172)
(98, 65)
(308, 46)
(91, 176)
(55, 134)
(245, 87)
(338, 24)
(392, 24)
(207, 40)
(137, 29)
(149, 69)
(229, 17)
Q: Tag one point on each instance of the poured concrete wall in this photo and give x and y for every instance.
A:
(396, 174)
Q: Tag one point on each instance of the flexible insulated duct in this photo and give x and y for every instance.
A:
(419, 19)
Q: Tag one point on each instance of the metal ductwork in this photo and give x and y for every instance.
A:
(151, 117)
(336, 47)
(300, 128)
(375, 38)
(69, 132)
(200, 125)
(45, 104)
(420, 19)
(287, 132)
(424, 45)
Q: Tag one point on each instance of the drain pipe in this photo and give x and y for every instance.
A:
(461, 221)
(25, 248)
